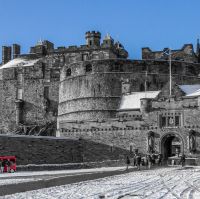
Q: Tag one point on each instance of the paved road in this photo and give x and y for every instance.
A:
(56, 180)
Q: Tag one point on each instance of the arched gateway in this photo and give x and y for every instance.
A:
(171, 145)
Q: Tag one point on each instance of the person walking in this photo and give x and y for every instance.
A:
(145, 161)
(160, 157)
(127, 162)
(153, 159)
(4, 167)
(149, 161)
(182, 161)
(138, 161)
(8, 166)
(134, 160)
(1, 166)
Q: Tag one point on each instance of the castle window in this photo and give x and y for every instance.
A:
(117, 68)
(141, 87)
(177, 121)
(111, 148)
(68, 73)
(95, 56)
(84, 57)
(131, 148)
(19, 93)
(20, 79)
(170, 120)
(163, 121)
(144, 67)
(46, 92)
(99, 87)
(88, 68)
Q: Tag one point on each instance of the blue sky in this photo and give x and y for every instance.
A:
(136, 23)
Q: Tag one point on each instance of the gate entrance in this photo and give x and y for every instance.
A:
(171, 145)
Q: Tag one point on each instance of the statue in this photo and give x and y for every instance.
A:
(151, 142)
(192, 142)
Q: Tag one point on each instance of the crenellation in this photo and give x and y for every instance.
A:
(186, 53)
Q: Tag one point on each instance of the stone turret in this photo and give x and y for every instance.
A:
(6, 54)
(16, 51)
(93, 38)
(42, 47)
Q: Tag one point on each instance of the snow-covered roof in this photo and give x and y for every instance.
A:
(132, 100)
(196, 93)
(19, 62)
(191, 90)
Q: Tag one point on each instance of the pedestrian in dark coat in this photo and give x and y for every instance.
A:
(127, 162)
(1, 166)
(146, 161)
(134, 160)
(182, 161)
(4, 165)
(153, 159)
(149, 159)
(138, 161)
(160, 157)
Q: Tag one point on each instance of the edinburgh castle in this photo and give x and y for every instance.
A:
(94, 92)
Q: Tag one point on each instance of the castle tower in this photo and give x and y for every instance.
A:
(198, 50)
(6, 54)
(16, 50)
(93, 38)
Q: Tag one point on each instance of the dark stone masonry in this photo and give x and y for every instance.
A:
(94, 92)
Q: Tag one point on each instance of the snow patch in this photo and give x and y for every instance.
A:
(132, 100)
(19, 62)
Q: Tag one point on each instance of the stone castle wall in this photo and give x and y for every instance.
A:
(96, 94)
(36, 109)
(46, 150)
(130, 129)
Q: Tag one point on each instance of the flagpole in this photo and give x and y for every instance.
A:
(170, 73)
(145, 83)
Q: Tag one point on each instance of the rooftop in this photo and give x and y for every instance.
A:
(132, 100)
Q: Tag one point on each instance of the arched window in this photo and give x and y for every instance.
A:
(69, 72)
(88, 68)
(142, 88)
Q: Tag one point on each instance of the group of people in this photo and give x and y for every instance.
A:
(149, 160)
(5, 166)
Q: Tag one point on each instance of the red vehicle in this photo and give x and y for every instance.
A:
(8, 163)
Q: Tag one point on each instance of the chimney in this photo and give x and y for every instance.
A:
(16, 50)
(6, 54)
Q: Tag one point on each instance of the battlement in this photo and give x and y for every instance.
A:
(93, 38)
(93, 34)
(93, 45)
(186, 53)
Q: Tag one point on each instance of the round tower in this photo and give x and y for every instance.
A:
(89, 94)
(93, 38)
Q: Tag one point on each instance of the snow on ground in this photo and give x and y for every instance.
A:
(16, 181)
(21, 177)
(58, 172)
(166, 183)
